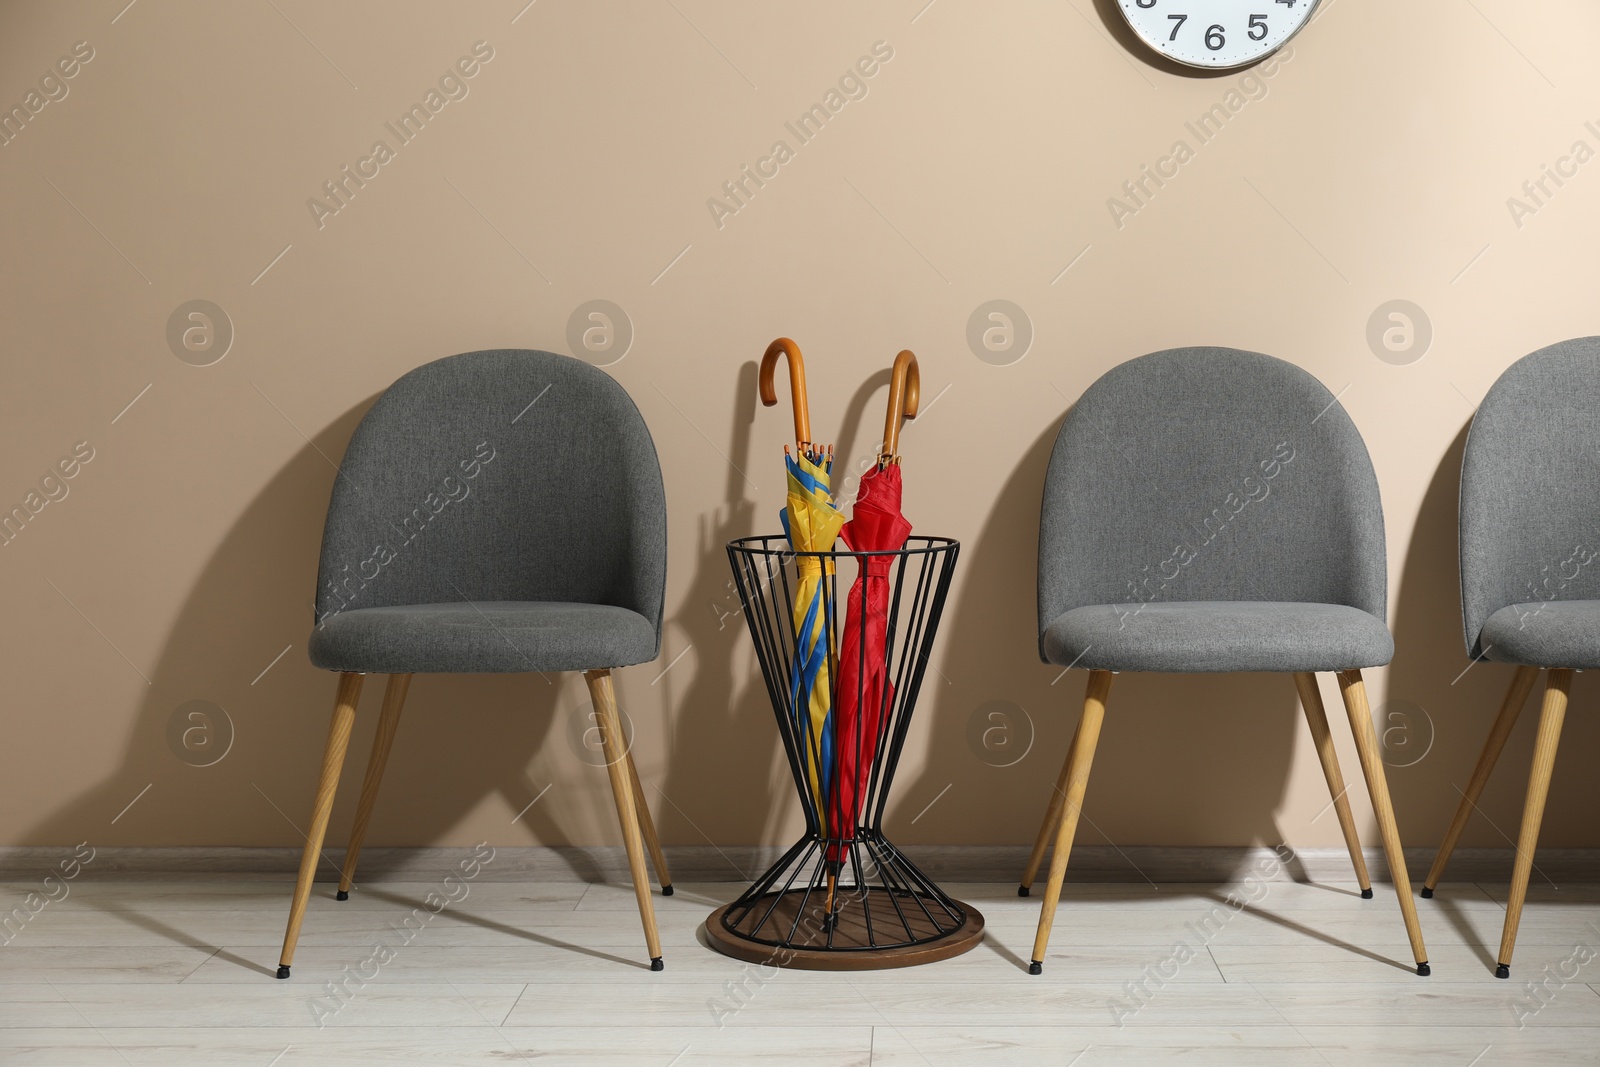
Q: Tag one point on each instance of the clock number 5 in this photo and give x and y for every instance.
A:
(1177, 24)
(1258, 22)
(1214, 37)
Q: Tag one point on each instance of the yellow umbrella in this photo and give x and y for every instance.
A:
(811, 522)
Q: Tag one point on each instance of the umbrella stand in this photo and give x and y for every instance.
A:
(843, 897)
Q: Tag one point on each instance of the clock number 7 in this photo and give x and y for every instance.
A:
(1177, 24)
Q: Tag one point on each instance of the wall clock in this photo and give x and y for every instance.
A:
(1216, 34)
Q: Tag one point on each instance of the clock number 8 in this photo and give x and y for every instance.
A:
(1145, 3)
(1214, 37)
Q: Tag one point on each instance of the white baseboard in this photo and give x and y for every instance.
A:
(733, 863)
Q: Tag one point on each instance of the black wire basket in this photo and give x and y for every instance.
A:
(843, 896)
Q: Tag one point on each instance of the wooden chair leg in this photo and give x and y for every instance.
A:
(611, 741)
(1317, 719)
(1544, 760)
(1047, 829)
(394, 698)
(344, 717)
(1076, 775)
(1510, 710)
(647, 826)
(1355, 704)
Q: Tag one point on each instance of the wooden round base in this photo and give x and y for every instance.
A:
(810, 951)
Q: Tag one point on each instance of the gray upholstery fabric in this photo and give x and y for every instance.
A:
(1557, 633)
(1530, 501)
(1205, 475)
(524, 483)
(1218, 636)
(497, 635)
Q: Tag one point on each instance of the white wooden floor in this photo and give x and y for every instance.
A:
(180, 972)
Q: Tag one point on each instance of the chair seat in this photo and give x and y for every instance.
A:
(1557, 633)
(1218, 636)
(487, 636)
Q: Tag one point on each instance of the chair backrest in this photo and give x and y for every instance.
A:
(500, 475)
(1530, 486)
(1209, 474)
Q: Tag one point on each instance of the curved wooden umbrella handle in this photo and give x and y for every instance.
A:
(797, 385)
(905, 393)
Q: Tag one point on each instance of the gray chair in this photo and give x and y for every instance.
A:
(1213, 510)
(495, 511)
(1530, 550)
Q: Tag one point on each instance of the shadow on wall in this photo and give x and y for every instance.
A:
(1438, 711)
(720, 784)
(258, 784)
(1213, 749)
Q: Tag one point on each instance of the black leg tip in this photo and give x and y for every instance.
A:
(656, 964)
(283, 970)
(1423, 970)
(341, 895)
(1022, 890)
(1427, 893)
(1035, 967)
(666, 890)
(1366, 894)
(1502, 970)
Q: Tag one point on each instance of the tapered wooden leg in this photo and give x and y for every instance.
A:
(647, 826)
(344, 716)
(611, 741)
(1076, 776)
(1544, 761)
(1510, 710)
(1047, 829)
(1317, 719)
(394, 698)
(1355, 704)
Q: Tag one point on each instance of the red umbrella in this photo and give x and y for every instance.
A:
(865, 693)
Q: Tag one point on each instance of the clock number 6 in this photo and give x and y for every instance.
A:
(1177, 24)
(1214, 37)
(1258, 22)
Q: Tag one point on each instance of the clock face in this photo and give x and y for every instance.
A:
(1216, 33)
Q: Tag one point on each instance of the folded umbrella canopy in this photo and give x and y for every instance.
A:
(811, 523)
(865, 693)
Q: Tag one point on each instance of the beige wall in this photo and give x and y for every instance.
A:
(1375, 164)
